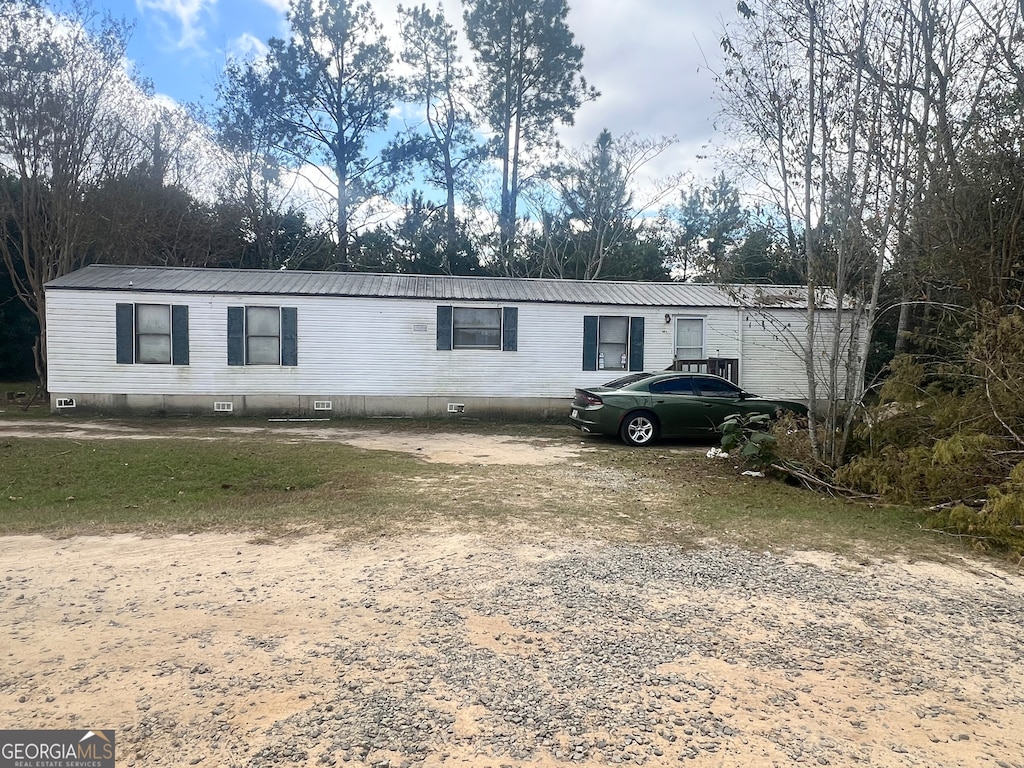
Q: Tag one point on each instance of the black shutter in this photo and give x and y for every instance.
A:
(444, 327)
(590, 342)
(236, 335)
(636, 343)
(289, 336)
(125, 333)
(179, 334)
(510, 329)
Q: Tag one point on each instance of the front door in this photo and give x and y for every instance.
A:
(689, 342)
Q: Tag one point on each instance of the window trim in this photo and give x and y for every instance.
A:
(592, 343)
(238, 336)
(250, 335)
(624, 356)
(127, 333)
(140, 335)
(508, 330)
(488, 329)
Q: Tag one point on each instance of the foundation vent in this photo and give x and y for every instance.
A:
(323, 405)
(456, 407)
(223, 407)
(65, 402)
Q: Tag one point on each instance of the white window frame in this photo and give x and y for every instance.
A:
(455, 328)
(142, 357)
(609, 358)
(249, 335)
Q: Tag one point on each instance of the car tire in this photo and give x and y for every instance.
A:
(639, 428)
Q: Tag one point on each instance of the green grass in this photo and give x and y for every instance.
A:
(708, 499)
(270, 484)
(60, 486)
(16, 400)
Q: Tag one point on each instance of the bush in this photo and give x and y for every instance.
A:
(950, 436)
(748, 439)
(997, 524)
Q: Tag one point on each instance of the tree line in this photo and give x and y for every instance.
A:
(301, 164)
(887, 138)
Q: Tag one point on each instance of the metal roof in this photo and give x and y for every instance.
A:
(101, 277)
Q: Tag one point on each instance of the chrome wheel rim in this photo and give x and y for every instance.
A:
(640, 430)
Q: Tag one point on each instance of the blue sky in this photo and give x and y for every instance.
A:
(182, 45)
(647, 57)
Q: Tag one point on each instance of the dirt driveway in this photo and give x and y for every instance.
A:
(487, 648)
(462, 447)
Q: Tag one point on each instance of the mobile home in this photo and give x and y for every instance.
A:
(125, 339)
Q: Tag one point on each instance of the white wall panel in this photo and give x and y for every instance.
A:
(387, 347)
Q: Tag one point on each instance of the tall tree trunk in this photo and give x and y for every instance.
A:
(341, 169)
(809, 236)
(451, 223)
(504, 223)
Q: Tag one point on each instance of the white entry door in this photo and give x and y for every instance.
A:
(689, 338)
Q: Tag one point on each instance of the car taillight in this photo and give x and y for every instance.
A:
(588, 398)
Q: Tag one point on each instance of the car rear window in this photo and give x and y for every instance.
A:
(626, 380)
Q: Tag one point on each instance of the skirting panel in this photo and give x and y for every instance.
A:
(319, 406)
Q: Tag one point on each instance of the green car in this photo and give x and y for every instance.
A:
(642, 407)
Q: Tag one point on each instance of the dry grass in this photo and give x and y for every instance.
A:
(670, 492)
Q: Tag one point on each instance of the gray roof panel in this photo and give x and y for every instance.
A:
(102, 277)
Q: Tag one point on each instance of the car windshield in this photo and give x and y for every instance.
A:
(627, 380)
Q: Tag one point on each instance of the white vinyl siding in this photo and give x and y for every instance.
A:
(363, 346)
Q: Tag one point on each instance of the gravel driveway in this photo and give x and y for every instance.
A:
(494, 649)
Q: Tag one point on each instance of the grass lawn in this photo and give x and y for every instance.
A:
(18, 400)
(62, 486)
(668, 493)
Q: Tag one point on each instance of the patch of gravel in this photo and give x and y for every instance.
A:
(586, 673)
(421, 653)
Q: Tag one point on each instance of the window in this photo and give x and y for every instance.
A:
(152, 334)
(627, 380)
(689, 342)
(680, 386)
(262, 336)
(708, 387)
(613, 342)
(478, 328)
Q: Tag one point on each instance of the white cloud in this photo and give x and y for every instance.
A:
(245, 47)
(278, 5)
(647, 58)
(182, 20)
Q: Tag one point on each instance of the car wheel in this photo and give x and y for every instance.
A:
(639, 428)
